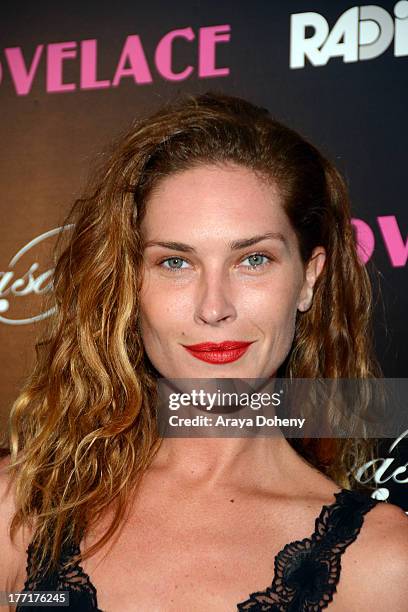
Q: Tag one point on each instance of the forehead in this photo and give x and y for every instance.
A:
(214, 200)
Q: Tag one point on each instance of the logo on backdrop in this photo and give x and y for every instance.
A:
(360, 33)
(14, 286)
(381, 465)
(392, 239)
(132, 63)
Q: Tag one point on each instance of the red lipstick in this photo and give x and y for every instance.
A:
(223, 352)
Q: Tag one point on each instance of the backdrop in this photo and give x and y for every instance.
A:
(72, 75)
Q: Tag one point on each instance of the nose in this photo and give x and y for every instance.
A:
(215, 303)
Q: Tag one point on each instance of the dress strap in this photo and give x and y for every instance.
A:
(307, 571)
(68, 576)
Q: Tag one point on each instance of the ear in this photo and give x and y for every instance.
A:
(313, 268)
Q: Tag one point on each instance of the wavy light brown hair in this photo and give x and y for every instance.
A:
(83, 429)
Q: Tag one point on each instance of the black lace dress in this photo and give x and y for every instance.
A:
(306, 571)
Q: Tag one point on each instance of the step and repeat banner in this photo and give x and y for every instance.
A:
(73, 75)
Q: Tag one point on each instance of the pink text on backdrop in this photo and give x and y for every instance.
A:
(394, 243)
(132, 62)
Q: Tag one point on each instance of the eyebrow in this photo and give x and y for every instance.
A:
(234, 245)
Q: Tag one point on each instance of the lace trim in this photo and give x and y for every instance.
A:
(307, 571)
(70, 576)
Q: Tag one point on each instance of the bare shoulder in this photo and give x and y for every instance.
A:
(12, 559)
(375, 567)
(387, 526)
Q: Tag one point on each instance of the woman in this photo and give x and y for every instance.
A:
(209, 222)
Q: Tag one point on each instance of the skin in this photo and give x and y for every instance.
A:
(212, 513)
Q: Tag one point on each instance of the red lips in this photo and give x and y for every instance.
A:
(227, 345)
(223, 352)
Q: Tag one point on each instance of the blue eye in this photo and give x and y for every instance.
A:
(175, 269)
(255, 258)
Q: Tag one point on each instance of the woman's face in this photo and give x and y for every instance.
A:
(210, 288)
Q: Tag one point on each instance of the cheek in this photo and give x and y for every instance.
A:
(275, 303)
(161, 310)
(287, 319)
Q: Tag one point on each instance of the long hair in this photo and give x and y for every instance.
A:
(83, 428)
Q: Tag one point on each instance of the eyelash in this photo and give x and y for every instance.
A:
(256, 267)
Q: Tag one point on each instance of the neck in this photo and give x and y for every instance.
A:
(212, 463)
